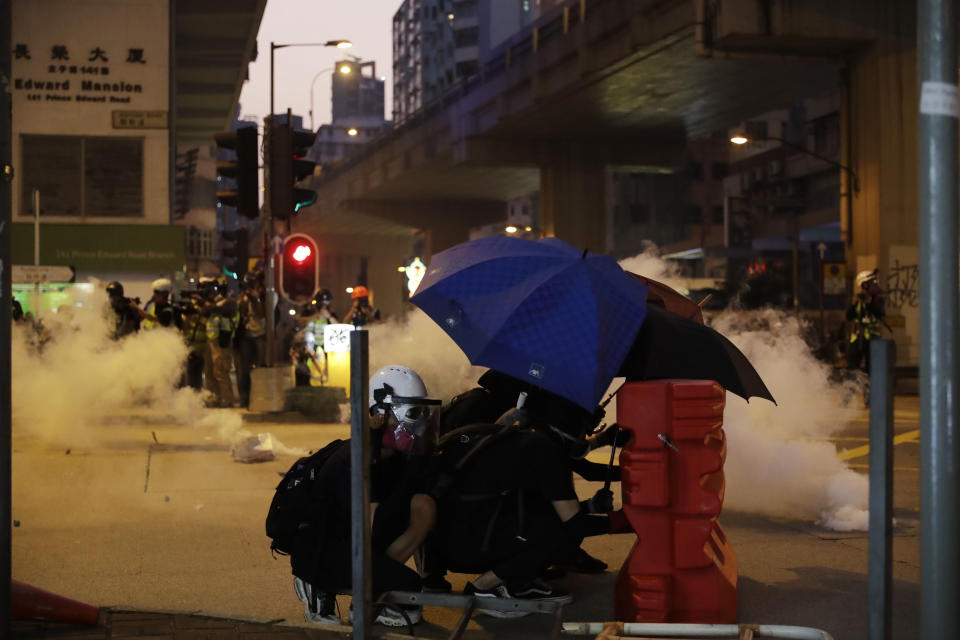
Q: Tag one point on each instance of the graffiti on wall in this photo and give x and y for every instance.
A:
(902, 284)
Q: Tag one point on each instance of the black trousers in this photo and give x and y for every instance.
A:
(195, 370)
(516, 539)
(325, 560)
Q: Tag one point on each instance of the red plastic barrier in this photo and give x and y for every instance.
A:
(31, 603)
(682, 567)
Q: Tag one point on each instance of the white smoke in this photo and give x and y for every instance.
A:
(418, 342)
(72, 377)
(778, 462)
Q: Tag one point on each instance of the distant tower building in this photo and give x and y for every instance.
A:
(422, 55)
(356, 94)
(357, 113)
(439, 43)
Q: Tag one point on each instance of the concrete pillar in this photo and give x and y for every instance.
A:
(879, 124)
(573, 200)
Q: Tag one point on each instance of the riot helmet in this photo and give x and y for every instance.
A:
(162, 286)
(115, 289)
(399, 404)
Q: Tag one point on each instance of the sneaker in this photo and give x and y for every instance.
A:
(499, 591)
(394, 615)
(319, 606)
(536, 590)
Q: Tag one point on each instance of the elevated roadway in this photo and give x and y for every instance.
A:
(594, 83)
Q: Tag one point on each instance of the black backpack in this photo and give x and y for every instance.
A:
(299, 502)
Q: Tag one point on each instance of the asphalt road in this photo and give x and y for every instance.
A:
(156, 517)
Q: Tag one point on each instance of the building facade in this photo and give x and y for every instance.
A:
(423, 68)
(95, 121)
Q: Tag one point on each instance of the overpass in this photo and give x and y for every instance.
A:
(595, 83)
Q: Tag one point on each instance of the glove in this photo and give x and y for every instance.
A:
(601, 502)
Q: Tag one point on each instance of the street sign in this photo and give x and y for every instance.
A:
(834, 278)
(30, 274)
(139, 119)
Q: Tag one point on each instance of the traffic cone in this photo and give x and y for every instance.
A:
(31, 603)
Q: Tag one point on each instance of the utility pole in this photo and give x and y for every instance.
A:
(6, 317)
(937, 234)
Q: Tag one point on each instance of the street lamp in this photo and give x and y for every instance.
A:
(759, 134)
(339, 44)
(758, 131)
(344, 70)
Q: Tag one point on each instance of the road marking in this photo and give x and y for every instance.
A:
(858, 452)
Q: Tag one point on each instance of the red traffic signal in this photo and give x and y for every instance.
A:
(299, 268)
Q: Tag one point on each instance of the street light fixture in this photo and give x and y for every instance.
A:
(344, 70)
(757, 132)
(339, 44)
(352, 131)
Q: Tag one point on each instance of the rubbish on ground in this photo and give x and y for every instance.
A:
(258, 448)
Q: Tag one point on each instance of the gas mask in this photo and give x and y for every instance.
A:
(409, 423)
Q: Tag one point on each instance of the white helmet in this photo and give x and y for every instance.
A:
(864, 277)
(398, 394)
(162, 284)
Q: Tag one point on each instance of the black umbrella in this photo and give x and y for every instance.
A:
(671, 346)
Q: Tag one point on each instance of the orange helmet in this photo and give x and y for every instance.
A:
(359, 292)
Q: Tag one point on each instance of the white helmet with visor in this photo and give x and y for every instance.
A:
(399, 397)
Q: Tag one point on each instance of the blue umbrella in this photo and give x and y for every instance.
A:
(543, 312)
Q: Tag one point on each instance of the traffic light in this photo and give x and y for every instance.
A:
(234, 252)
(245, 196)
(287, 150)
(299, 268)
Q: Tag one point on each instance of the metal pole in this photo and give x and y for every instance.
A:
(360, 485)
(796, 261)
(6, 218)
(879, 556)
(269, 252)
(937, 236)
(36, 227)
(273, 48)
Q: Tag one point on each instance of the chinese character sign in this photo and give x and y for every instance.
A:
(336, 338)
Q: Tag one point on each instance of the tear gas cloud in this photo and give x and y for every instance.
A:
(418, 342)
(73, 377)
(777, 461)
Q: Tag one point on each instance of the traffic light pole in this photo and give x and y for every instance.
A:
(269, 254)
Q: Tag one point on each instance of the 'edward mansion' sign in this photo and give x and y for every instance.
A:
(67, 53)
(85, 78)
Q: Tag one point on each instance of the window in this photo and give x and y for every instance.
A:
(719, 170)
(466, 37)
(83, 176)
(695, 171)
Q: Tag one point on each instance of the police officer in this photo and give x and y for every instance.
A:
(361, 311)
(865, 315)
(122, 313)
(194, 329)
(160, 307)
(221, 326)
(321, 315)
(251, 332)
